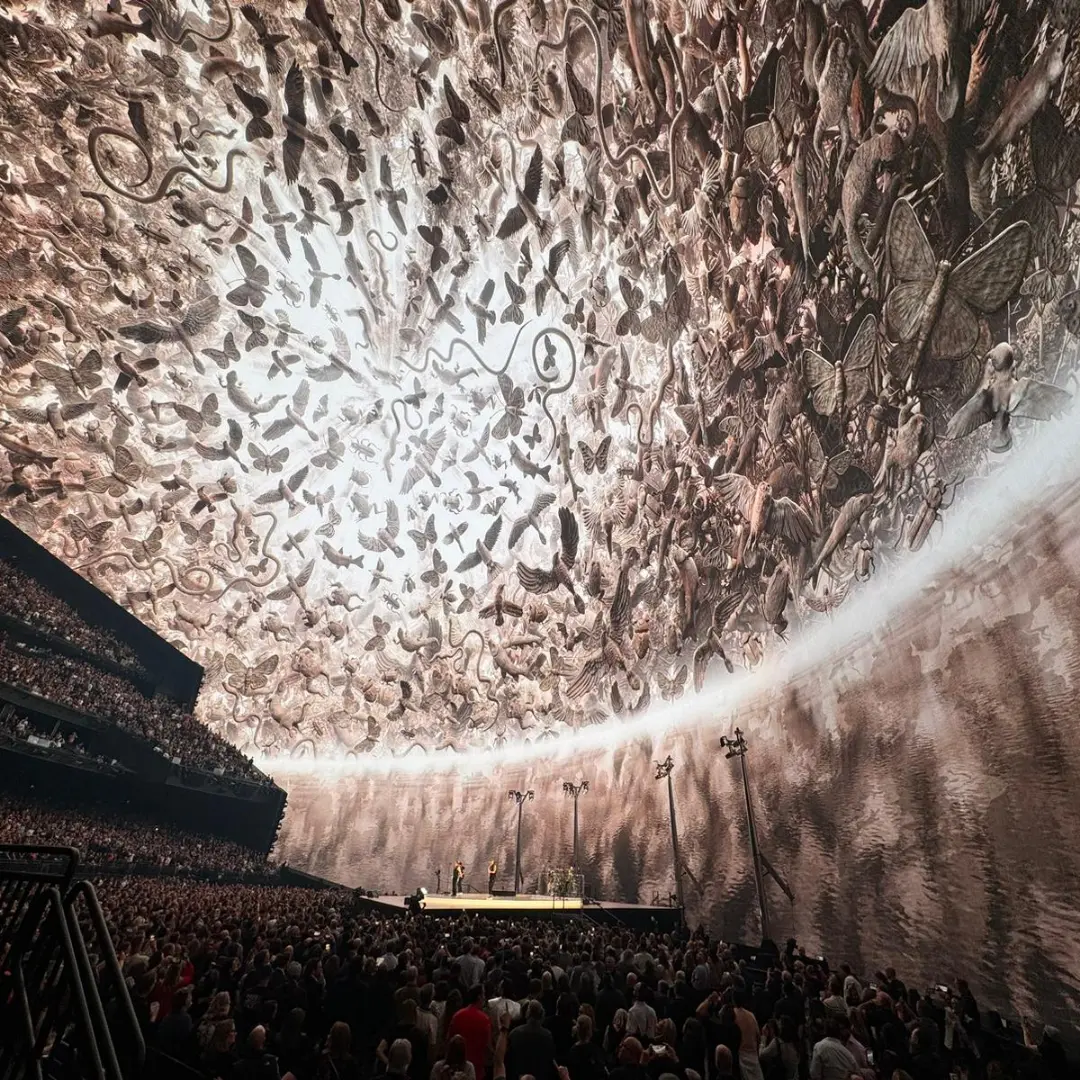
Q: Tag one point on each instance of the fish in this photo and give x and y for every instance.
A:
(529, 468)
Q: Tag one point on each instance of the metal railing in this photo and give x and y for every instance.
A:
(65, 1010)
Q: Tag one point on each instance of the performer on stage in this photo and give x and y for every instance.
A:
(458, 874)
(493, 869)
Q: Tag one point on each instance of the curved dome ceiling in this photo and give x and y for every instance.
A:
(445, 374)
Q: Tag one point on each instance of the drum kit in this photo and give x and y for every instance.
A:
(562, 881)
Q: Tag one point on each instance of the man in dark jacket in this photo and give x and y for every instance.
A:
(531, 1048)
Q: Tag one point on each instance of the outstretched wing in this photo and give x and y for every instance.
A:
(736, 487)
(535, 580)
(568, 530)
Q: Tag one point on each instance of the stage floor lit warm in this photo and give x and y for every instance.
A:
(483, 902)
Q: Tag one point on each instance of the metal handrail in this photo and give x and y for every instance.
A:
(134, 1043)
(55, 1007)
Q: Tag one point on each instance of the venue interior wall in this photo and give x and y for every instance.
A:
(918, 792)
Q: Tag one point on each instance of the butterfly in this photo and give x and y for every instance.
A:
(525, 260)
(767, 140)
(201, 536)
(575, 318)
(514, 405)
(671, 687)
(433, 236)
(354, 150)
(81, 531)
(80, 378)
(514, 311)
(433, 576)
(453, 126)
(982, 283)
(227, 354)
(144, 550)
(428, 536)
(126, 473)
(256, 324)
(377, 642)
(322, 410)
(665, 322)
(837, 388)
(333, 520)
(249, 680)
(334, 453)
(252, 290)
(206, 415)
(533, 440)
(595, 459)
(268, 463)
(633, 297)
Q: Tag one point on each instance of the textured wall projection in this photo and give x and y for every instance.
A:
(443, 375)
(914, 779)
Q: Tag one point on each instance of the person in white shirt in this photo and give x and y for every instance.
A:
(641, 1017)
(831, 1059)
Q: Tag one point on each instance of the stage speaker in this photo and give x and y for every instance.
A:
(504, 894)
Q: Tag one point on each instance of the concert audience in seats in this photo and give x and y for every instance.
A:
(258, 982)
(25, 599)
(79, 685)
(104, 837)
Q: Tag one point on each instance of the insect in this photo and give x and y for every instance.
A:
(932, 309)
(426, 537)
(768, 139)
(633, 297)
(252, 290)
(595, 460)
(509, 423)
(837, 388)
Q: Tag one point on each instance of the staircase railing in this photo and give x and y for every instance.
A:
(65, 1010)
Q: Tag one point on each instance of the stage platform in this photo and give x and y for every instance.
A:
(524, 905)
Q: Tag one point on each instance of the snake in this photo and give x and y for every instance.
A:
(378, 236)
(459, 649)
(47, 234)
(97, 133)
(186, 31)
(177, 579)
(378, 59)
(553, 391)
(654, 408)
(266, 555)
(614, 160)
(391, 450)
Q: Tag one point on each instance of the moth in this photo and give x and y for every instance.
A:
(933, 309)
(836, 388)
(595, 460)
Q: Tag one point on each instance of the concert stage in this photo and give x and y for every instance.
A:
(524, 905)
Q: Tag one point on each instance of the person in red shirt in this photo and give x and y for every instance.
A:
(473, 1024)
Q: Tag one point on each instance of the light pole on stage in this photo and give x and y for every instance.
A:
(664, 769)
(519, 797)
(736, 747)
(574, 791)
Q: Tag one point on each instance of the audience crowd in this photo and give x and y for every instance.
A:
(23, 598)
(104, 837)
(79, 685)
(19, 727)
(261, 982)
